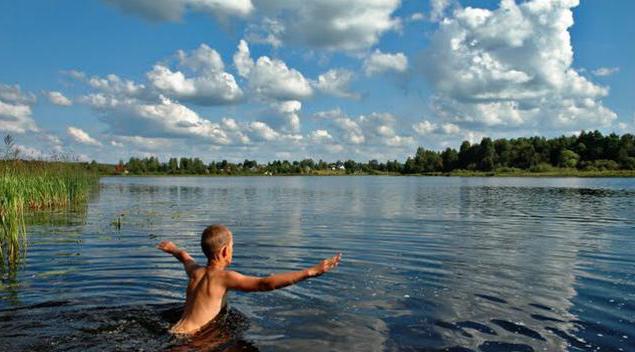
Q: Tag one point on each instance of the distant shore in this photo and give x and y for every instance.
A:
(457, 173)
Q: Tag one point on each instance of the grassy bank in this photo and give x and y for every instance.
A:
(31, 186)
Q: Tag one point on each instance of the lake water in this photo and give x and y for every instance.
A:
(457, 264)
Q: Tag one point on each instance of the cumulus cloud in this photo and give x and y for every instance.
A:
(271, 78)
(58, 98)
(144, 144)
(80, 136)
(268, 31)
(450, 128)
(15, 110)
(379, 62)
(113, 84)
(264, 131)
(416, 17)
(605, 71)
(336, 82)
(320, 135)
(512, 67)
(210, 85)
(173, 10)
(154, 111)
(164, 118)
(374, 129)
(14, 95)
(424, 127)
(332, 25)
(290, 110)
(349, 130)
(30, 153)
(438, 9)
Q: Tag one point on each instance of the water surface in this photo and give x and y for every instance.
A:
(459, 264)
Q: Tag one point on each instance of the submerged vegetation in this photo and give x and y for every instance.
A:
(27, 186)
(587, 154)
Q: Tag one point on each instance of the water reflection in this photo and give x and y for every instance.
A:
(430, 263)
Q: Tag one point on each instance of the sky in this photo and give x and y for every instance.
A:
(324, 79)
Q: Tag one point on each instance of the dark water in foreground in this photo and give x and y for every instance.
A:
(459, 264)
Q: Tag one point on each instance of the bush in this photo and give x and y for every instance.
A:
(542, 167)
(599, 165)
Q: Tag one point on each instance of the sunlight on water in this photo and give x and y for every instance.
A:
(489, 264)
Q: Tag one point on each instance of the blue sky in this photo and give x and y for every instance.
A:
(271, 79)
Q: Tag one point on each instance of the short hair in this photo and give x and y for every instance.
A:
(214, 238)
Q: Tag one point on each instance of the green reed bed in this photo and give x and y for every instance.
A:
(28, 186)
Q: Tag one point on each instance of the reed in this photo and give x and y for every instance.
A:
(27, 186)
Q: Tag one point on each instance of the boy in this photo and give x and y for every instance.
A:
(208, 285)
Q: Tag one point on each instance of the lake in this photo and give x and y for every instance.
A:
(429, 263)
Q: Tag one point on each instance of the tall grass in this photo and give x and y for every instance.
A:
(27, 186)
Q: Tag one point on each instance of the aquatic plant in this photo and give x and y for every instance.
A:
(27, 186)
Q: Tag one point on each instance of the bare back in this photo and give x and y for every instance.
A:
(204, 300)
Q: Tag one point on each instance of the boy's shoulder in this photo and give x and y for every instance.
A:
(210, 272)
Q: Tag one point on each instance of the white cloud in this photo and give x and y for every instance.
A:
(424, 127)
(242, 59)
(375, 129)
(15, 110)
(131, 109)
(605, 71)
(263, 130)
(438, 8)
(512, 67)
(210, 85)
(379, 62)
(320, 135)
(290, 110)
(271, 78)
(333, 25)
(165, 118)
(14, 95)
(269, 31)
(145, 144)
(417, 16)
(230, 124)
(80, 136)
(336, 82)
(173, 10)
(113, 84)
(58, 98)
(450, 128)
(350, 132)
(26, 152)
(202, 58)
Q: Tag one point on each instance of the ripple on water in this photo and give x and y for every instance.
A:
(452, 264)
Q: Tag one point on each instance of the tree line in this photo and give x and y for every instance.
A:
(588, 151)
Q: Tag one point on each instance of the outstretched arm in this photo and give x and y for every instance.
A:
(188, 262)
(237, 281)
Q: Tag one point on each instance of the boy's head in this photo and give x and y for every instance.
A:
(217, 243)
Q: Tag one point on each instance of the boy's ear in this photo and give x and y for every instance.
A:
(224, 251)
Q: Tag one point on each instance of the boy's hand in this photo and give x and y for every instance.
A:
(324, 266)
(167, 247)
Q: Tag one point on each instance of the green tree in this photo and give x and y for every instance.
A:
(487, 154)
(173, 166)
(568, 158)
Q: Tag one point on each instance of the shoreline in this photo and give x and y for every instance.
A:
(463, 173)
